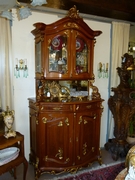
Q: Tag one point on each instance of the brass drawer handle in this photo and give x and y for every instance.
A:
(77, 107)
(57, 108)
(78, 157)
(88, 107)
(94, 116)
(93, 149)
(37, 122)
(42, 108)
(67, 160)
(67, 122)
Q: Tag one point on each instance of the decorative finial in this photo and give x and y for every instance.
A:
(73, 13)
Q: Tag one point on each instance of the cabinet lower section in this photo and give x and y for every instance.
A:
(64, 137)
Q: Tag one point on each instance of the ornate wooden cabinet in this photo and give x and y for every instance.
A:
(65, 115)
(122, 106)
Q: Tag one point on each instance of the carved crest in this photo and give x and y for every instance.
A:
(73, 13)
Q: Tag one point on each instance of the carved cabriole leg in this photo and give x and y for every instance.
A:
(25, 167)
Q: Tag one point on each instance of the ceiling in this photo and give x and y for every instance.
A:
(120, 10)
(116, 9)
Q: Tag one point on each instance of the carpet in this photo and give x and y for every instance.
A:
(103, 173)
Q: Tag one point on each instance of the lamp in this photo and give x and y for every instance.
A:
(102, 70)
(38, 2)
(21, 68)
(7, 14)
(131, 47)
(23, 12)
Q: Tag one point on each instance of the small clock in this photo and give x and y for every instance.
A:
(54, 89)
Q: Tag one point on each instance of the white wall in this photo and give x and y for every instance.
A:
(102, 54)
(23, 48)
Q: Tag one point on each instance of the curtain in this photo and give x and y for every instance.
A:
(6, 89)
(120, 41)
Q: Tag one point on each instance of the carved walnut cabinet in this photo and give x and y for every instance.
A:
(65, 115)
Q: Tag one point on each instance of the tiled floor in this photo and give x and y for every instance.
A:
(106, 158)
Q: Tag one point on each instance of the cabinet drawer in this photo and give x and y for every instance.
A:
(56, 107)
(87, 107)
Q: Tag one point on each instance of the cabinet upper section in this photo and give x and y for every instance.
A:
(64, 49)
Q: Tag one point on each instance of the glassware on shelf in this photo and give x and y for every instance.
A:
(81, 56)
(58, 55)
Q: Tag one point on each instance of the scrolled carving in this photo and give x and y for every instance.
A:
(95, 91)
(70, 24)
(123, 73)
(122, 106)
(73, 13)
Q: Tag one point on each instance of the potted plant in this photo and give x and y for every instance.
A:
(131, 131)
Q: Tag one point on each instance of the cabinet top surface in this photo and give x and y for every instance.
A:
(70, 102)
(4, 142)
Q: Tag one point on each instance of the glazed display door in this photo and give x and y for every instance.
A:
(58, 135)
(81, 56)
(69, 56)
(57, 55)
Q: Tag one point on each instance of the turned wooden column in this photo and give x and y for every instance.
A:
(122, 106)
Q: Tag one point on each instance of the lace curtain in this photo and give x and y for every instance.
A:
(120, 40)
(6, 88)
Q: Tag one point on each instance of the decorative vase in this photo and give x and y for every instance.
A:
(8, 120)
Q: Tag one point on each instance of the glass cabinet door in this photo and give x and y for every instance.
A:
(58, 54)
(81, 56)
(38, 57)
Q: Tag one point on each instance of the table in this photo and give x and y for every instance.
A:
(2, 125)
(17, 141)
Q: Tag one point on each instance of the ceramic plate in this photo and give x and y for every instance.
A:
(57, 43)
(8, 154)
(79, 44)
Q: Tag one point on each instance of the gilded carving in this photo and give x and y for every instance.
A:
(73, 13)
(72, 25)
(59, 154)
(44, 119)
(80, 120)
(67, 33)
(60, 123)
(84, 149)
